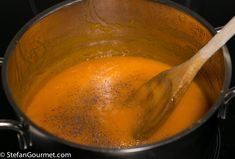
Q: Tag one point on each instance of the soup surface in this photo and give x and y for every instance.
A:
(87, 103)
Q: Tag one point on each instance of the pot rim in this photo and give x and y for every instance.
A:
(45, 13)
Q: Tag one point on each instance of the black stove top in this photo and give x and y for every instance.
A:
(14, 14)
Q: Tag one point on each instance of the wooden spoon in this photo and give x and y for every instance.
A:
(159, 96)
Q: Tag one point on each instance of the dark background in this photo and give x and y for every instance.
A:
(15, 13)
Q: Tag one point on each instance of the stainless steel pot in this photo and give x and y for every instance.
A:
(52, 41)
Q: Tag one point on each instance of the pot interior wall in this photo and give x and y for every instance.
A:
(103, 28)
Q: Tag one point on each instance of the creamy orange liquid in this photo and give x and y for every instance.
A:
(86, 103)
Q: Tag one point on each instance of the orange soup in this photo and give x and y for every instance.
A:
(86, 103)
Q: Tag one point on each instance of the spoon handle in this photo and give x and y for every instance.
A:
(218, 40)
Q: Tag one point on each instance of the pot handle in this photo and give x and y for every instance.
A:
(227, 97)
(19, 127)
